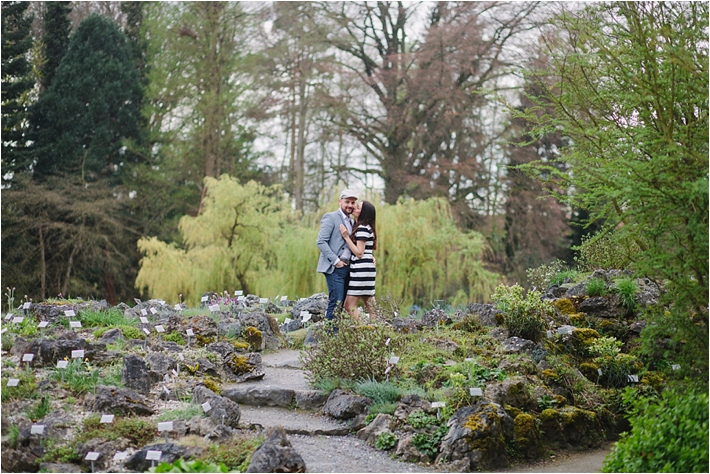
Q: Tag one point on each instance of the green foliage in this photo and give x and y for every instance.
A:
(605, 346)
(38, 411)
(542, 276)
(385, 441)
(137, 431)
(667, 435)
(111, 318)
(636, 167)
(27, 388)
(180, 465)
(185, 412)
(65, 453)
(111, 375)
(379, 392)
(429, 443)
(175, 337)
(563, 276)
(27, 328)
(354, 352)
(418, 419)
(627, 289)
(13, 433)
(235, 453)
(79, 376)
(596, 287)
(525, 316)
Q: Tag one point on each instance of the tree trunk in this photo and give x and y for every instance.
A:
(43, 277)
(70, 263)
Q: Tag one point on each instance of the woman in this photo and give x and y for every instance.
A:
(362, 242)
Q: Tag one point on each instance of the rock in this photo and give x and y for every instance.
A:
(19, 461)
(499, 333)
(637, 326)
(554, 292)
(517, 345)
(405, 325)
(409, 404)
(600, 306)
(310, 399)
(107, 448)
(53, 467)
(527, 436)
(160, 363)
(382, 423)
(316, 305)
(223, 410)
(520, 365)
(276, 454)
(205, 329)
(210, 429)
(292, 325)
(478, 434)
(229, 327)
(513, 391)
(223, 348)
(407, 452)
(344, 405)
(243, 367)
(579, 289)
(435, 317)
(53, 312)
(648, 292)
(267, 325)
(48, 351)
(111, 336)
(108, 399)
(270, 396)
(171, 452)
(134, 374)
(488, 315)
(571, 427)
(206, 367)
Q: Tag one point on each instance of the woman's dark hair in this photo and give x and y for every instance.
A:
(368, 216)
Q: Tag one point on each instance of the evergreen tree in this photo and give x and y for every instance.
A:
(17, 82)
(80, 122)
(56, 27)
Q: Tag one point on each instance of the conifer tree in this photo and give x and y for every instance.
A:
(56, 27)
(17, 82)
(80, 122)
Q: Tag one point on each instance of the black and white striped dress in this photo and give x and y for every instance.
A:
(362, 270)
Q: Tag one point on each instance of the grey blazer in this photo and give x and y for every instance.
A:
(330, 242)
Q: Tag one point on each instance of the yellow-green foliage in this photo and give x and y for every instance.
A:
(589, 370)
(527, 438)
(240, 346)
(245, 235)
(239, 364)
(564, 306)
(213, 384)
(577, 318)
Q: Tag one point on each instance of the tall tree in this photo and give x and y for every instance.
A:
(17, 82)
(423, 121)
(80, 122)
(55, 38)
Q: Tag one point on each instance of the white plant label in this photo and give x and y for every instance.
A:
(77, 354)
(144, 320)
(175, 373)
(284, 299)
(178, 307)
(28, 357)
(159, 328)
(675, 366)
(92, 456)
(204, 299)
(153, 311)
(13, 382)
(633, 378)
(18, 319)
(387, 342)
(240, 298)
(263, 300)
(107, 418)
(214, 307)
(476, 392)
(307, 317)
(165, 426)
(8, 317)
(388, 369)
(206, 407)
(4, 330)
(62, 364)
(238, 293)
(393, 360)
(144, 312)
(43, 324)
(70, 313)
(146, 331)
(287, 320)
(120, 456)
(74, 324)
(37, 429)
(549, 334)
(189, 332)
(137, 300)
(182, 357)
(153, 455)
(438, 404)
(27, 305)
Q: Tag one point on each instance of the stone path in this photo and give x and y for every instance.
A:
(326, 446)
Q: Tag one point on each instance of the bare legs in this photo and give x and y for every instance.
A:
(351, 306)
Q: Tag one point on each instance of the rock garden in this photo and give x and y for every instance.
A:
(158, 386)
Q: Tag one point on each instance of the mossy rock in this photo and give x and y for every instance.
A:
(564, 306)
(239, 364)
(213, 384)
(254, 337)
(577, 318)
(527, 438)
(571, 427)
(590, 370)
(240, 346)
(654, 379)
(512, 411)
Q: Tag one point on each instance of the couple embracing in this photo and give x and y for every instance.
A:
(346, 240)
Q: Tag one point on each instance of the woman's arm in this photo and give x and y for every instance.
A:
(358, 249)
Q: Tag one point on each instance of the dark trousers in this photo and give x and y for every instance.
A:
(337, 286)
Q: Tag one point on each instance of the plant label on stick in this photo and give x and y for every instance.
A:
(27, 357)
(8, 316)
(144, 320)
(3, 331)
(206, 407)
(438, 404)
(159, 328)
(18, 319)
(214, 307)
(70, 313)
(43, 324)
(27, 305)
(165, 426)
(107, 418)
(144, 312)
(633, 378)
(476, 392)
(74, 324)
(549, 334)
(138, 301)
(306, 317)
(13, 382)
(178, 307)
(92, 456)
(153, 311)
(182, 357)
(387, 342)
(675, 366)
(62, 364)
(120, 456)
(77, 354)
(189, 332)
(241, 298)
(146, 331)
(238, 293)
(263, 300)
(37, 429)
(393, 360)
(152, 455)
(204, 299)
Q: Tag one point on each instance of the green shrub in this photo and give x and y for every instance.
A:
(525, 316)
(67, 453)
(27, 388)
(596, 287)
(8, 340)
(562, 276)
(667, 435)
(379, 392)
(79, 376)
(40, 410)
(235, 453)
(418, 419)
(429, 443)
(385, 441)
(354, 352)
(175, 337)
(382, 407)
(180, 465)
(13, 433)
(605, 251)
(541, 277)
(185, 412)
(627, 289)
(110, 318)
(129, 332)
(137, 431)
(615, 369)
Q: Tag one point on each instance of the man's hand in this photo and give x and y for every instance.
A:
(339, 264)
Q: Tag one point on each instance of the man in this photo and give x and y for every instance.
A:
(334, 252)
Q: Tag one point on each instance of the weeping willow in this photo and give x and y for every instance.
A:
(246, 238)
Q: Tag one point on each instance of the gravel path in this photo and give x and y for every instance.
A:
(327, 453)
